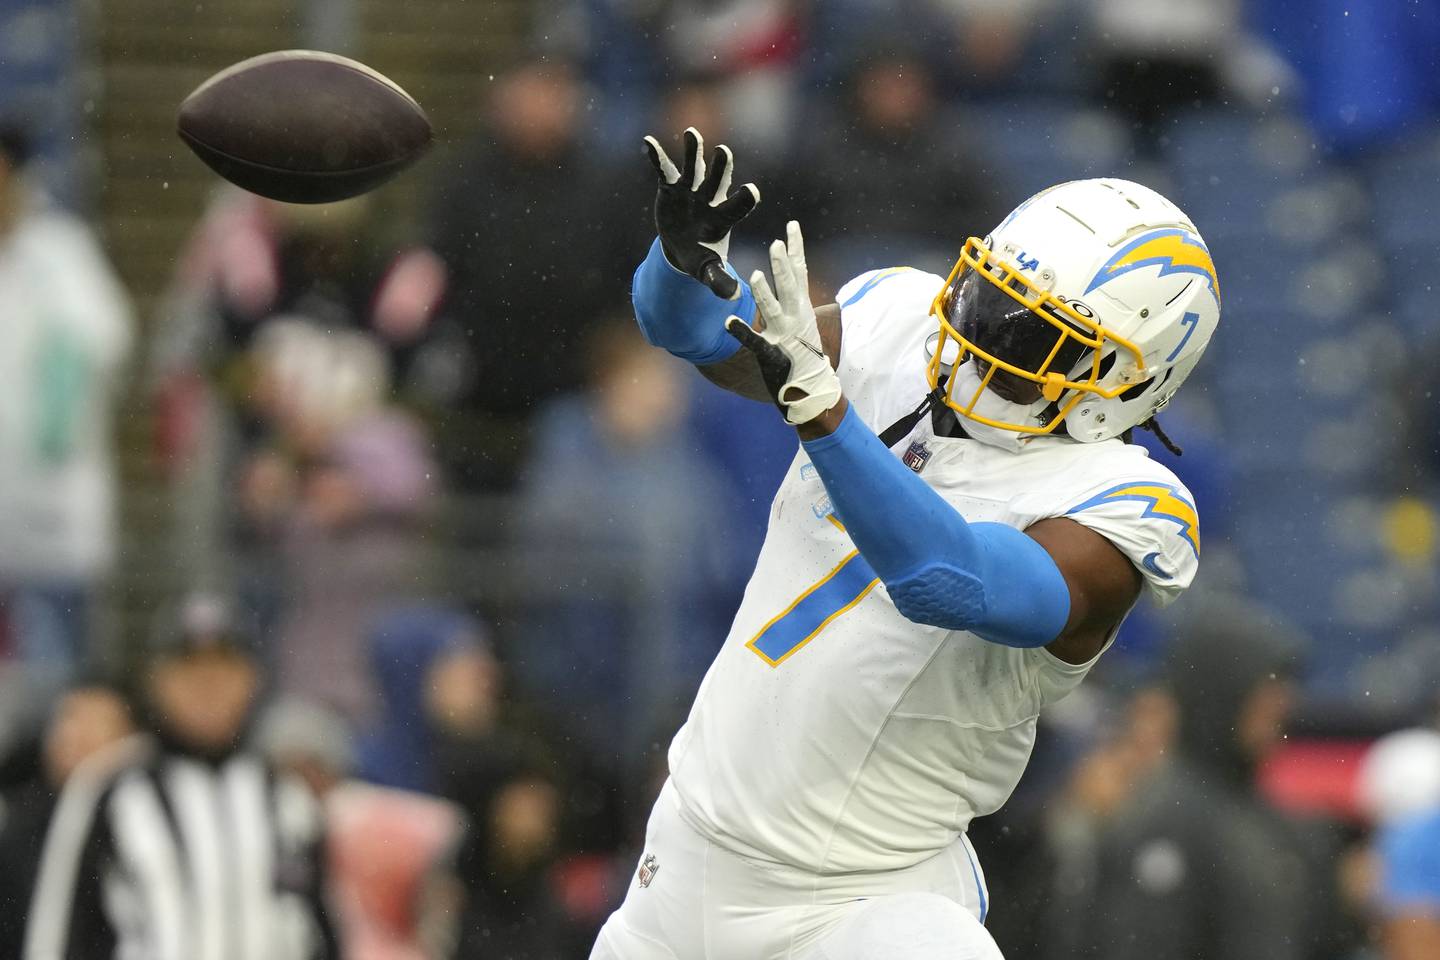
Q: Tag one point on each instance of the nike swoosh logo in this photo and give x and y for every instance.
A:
(1149, 563)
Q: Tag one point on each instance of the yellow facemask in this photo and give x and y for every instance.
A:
(1072, 329)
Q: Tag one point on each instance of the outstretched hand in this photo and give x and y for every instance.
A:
(695, 211)
(786, 341)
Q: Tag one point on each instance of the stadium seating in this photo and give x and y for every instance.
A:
(1046, 142)
(1321, 267)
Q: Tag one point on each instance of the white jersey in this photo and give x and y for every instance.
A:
(833, 734)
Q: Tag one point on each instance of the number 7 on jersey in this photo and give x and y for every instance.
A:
(815, 609)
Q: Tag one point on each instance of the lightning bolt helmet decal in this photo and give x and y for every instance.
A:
(1173, 250)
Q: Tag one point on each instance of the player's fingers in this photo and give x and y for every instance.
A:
(660, 160)
(738, 207)
(724, 286)
(773, 362)
(693, 172)
(717, 178)
(784, 274)
(743, 332)
(769, 307)
(795, 246)
(751, 340)
(747, 336)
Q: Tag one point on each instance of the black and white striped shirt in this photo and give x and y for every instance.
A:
(156, 856)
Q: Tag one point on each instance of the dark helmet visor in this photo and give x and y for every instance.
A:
(1009, 331)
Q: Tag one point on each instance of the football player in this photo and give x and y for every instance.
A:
(957, 541)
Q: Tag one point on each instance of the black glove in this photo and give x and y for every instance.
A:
(694, 211)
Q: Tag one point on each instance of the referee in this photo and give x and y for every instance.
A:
(181, 845)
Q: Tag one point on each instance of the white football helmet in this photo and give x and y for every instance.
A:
(1080, 315)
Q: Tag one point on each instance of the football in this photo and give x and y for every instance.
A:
(303, 126)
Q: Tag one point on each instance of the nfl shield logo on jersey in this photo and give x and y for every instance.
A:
(917, 456)
(648, 868)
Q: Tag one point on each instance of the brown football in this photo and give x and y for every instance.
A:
(303, 126)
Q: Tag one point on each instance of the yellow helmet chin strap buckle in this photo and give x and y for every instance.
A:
(1053, 386)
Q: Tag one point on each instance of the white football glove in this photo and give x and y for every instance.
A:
(786, 340)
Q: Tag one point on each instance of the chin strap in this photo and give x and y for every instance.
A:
(896, 432)
(1153, 426)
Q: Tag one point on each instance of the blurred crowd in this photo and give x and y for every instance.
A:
(456, 547)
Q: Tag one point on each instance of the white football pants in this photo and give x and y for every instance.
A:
(703, 902)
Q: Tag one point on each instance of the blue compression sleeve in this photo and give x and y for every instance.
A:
(987, 578)
(682, 315)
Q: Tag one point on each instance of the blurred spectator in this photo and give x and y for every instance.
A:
(89, 719)
(507, 868)
(251, 262)
(1400, 778)
(539, 241)
(971, 44)
(624, 527)
(195, 842)
(1095, 754)
(1400, 784)
(753, 48)
(990, 41)
(336, 502)
(1157, 57)
(612, 42)
(893, 177)
(473, 750)
(1409, 900)
(1196, 863)
(749, 51)
(65, 337)
(392, 855)
(442, 732)
(251, 259)
(391, 851)
(435, 673)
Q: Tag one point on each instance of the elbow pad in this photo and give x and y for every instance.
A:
(1020, 600)
(680, 314)
(940, 594)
